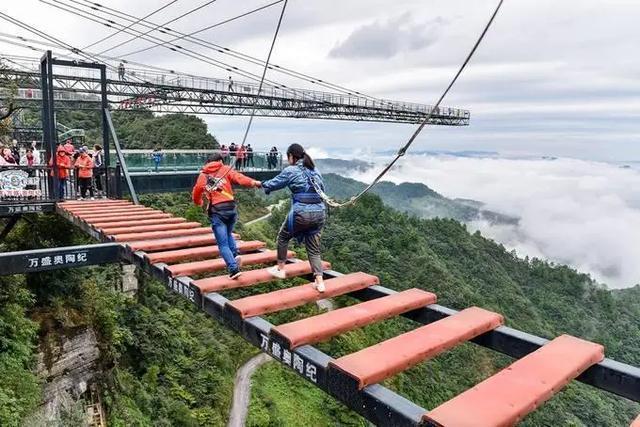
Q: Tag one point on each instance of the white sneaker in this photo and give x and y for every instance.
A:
(319, 286)
(93, 198)
(276, 272)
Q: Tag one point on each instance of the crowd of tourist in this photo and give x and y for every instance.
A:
(85, 165)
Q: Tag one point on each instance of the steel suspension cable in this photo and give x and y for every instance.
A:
(159, 26)
(405, 147)
(236, 54)
(183, 51)
(183, 36)
(264, 71)
(130, 25)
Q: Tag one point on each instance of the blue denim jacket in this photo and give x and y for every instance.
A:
(295, 178)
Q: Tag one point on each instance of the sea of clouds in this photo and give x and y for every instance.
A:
(582, 213)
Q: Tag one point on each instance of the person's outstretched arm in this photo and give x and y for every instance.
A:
(243, 180)
(279, 182)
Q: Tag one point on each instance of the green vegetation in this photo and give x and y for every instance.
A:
(138, 129)
(165, 363)
(416, 199)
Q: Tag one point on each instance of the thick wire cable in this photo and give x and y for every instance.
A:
(129, 26)
(405, 147)
(264, 72)
(183, 36)
(189, 12)
(179, 49)
(237, 54)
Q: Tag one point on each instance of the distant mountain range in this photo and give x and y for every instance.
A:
(414, 198)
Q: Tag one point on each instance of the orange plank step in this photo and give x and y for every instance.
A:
(126, 237)
(107, 216)
(508, 396)
(153, 227)
(299, 295)
(218, 264)
(173, 243)
(327, 325)
(376, 363)
(101, 207)
(253, 277)
(92, 202)
(636, 423)
(112, 210)
(194, 254)
(86, 205)
(113, 224)
(130, 218)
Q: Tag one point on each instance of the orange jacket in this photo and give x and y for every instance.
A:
(63, 163)
(84, 163)
(225, 189)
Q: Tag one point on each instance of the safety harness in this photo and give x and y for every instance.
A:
(308, 197)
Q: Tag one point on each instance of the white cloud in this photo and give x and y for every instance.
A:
(585, 214)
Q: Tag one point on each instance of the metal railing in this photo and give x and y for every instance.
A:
(35, 184)
(193, 160)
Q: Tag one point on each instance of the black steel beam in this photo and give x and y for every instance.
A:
(38, 260)
(11, 222)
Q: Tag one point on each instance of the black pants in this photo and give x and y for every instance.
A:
(98, 178)
(85, 183)
(304, 221)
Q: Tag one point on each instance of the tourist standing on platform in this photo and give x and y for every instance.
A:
(63, 164)
(121, 71)
(214, 192)
(36, 152)
(233, 148)
(241, 155)
(29, 159)
(224, 152)
(250, 156)
(308, 212)
(69, 148)
(84, 164)
(98, 165)
(157, 156)
(7, 156)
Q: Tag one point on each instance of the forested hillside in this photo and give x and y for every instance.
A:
(416, 199)
(139, 129)
(165, 363)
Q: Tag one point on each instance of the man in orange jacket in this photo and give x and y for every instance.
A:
(63, 163)
(214, 189)
(84, 163)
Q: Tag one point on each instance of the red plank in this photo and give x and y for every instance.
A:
(130, 218)
(102, 207)
(204, 252)
(507, 397)
(293, 297)
(112, 210)
(636, 423)
(137, 213)
(376, 363)
(135, 228)
(253, 277)
(218, 264)
(87, 205)
(129, 237)
(173, 243)
(101, 202)
(327, 325)
(113, 224)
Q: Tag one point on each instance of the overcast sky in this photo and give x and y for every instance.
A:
(551, 78)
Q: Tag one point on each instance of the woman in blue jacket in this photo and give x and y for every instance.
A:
(307, 215)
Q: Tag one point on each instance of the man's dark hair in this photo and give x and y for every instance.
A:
(214, 157)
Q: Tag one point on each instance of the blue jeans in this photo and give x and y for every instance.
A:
(62, 182)
(222, 223)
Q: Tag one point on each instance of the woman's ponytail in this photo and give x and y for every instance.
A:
(297, 152)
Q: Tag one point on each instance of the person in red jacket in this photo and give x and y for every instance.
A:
(63, 163)
(84, 164)
(214, 191)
